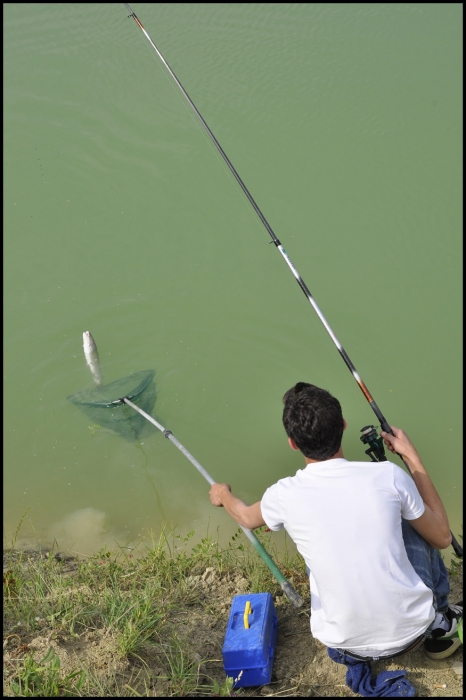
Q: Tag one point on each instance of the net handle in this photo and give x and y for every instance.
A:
(292, 595)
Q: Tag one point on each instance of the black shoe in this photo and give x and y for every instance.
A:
(443, 644)
(441, 648)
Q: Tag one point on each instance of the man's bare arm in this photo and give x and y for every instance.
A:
(433, 524)
(246, 516)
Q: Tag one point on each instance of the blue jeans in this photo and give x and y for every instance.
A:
(428, 564)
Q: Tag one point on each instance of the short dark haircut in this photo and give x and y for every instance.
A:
(313, 419)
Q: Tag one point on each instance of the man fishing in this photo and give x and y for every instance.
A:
(369, 535)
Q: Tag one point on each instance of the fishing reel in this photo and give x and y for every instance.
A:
(376, 450)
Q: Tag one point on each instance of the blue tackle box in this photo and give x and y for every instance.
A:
(249, 647)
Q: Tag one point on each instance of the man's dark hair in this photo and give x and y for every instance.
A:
(313, 419)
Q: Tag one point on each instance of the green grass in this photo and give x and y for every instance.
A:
(130, 603)
(456, 564)
(43, 679)
(133, 607)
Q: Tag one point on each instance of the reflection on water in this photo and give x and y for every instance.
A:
(84, 532)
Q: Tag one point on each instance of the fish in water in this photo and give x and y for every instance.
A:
(92, 357)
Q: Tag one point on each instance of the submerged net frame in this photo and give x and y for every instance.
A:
(105, 407)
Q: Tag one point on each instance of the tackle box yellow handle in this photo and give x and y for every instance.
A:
(247, 611)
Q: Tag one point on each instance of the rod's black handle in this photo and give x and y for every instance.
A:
(456, 546)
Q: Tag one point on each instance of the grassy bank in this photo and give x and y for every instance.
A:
(117, 624)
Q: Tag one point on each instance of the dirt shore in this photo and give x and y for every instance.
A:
(301, 667)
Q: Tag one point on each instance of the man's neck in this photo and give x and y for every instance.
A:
(337, 455)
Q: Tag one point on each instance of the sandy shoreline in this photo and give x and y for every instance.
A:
(301, 667)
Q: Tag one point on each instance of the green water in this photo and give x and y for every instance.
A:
(344, 121)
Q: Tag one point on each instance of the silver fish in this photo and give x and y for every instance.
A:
(92, 357)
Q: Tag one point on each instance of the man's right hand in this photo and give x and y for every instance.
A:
(217, 493)
(432, 525)
(399, 443)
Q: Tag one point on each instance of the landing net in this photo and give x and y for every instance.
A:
(104, 407)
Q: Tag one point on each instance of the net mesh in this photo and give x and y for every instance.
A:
(104, 407)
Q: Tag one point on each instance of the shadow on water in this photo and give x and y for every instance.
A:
(103, 405)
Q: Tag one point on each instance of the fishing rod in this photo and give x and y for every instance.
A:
(292, 595)
(382, 420)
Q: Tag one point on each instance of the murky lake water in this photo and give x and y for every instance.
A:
(344, 121)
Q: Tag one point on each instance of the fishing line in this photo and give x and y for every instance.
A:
(275, 240)
(381, 418)
(106, 403)
(151, 481)
(205, 138)
(286, 586)
(192, 118)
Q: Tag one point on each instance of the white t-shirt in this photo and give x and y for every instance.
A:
(345, 519)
